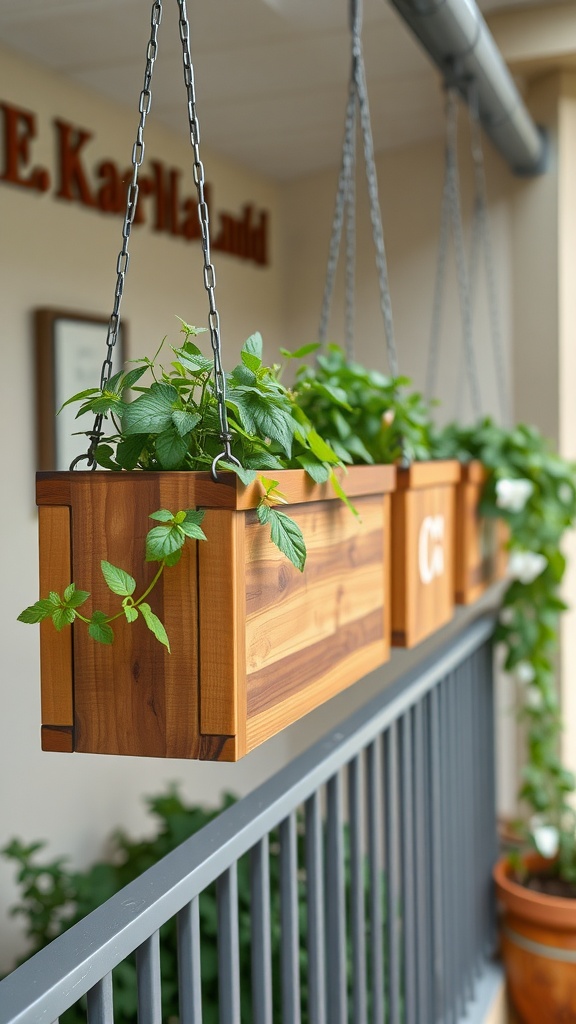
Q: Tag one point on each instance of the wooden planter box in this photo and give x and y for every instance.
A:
(481, 556)
(255, 644)
(423, 523)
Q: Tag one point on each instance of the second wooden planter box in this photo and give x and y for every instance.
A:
(481, 556)
(423, 525)
(255, 644)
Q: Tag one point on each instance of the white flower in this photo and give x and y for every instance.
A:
(507, 616)
(525, 566)
(565, 494)
(512, 495)
(524, 672)
(546, 837)
(388, 417)
(534, 698)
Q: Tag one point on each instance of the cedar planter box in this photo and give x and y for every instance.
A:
(481, 556)
(255, 644)
(423, 523)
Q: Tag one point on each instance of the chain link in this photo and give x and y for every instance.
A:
(345, 196)
(451, 219)
(123, 260)
(209, 272)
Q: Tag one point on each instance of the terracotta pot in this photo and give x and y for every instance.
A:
(538, 944)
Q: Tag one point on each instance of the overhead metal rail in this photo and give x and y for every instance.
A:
(455, 35)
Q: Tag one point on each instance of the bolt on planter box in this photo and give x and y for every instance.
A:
(423, 524)
(481, 556)
(255, 643)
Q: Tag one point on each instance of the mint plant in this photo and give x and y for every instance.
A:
(164, 545)
(365, 416)
(174, 424)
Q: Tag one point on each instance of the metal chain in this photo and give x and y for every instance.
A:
(451, 212)
(209, 272)
(351, 248)
(123, 260)
(481, 234)
(346, 174)
(357, 93)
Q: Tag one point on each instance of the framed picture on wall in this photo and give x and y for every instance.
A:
(70, 348)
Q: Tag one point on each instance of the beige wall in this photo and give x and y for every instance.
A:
(58, 254)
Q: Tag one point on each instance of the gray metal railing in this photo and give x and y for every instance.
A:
(384, 836)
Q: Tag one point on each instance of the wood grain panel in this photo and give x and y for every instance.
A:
(57, 738)
(480, 556)
(428, 474)
(222, 611)
(55, 648)
(421, 602)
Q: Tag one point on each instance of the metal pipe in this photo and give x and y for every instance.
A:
(456, 37)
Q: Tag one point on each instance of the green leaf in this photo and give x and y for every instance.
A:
(321, 449)
(185, 421)
(287, 536)
(99, 629)
(245, 475)
(253, 362)
(171, 448)
(119, 581)
(152, 412)
(253, 345)
(299, 353)
(74, 598)
(191, 524)
(154, 624)
(162, 516)
(174, 558)
(42, 609)
(129, 450)
(79, 397)
(131, 612)
(62, 617)
(318, 471)
(129, 379)
(162, 541)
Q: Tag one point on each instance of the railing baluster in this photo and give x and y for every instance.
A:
(290, 945)
(407, 846)
(99, 1003)
(437, 964)
(261, 939)
(149, 985)
(228, 946)
(189, 966)
(377, 878)
(393, 908)
(336, 904)
(423, 863)
(357, 894)
(315, 908)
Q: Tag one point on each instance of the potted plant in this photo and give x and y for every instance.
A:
(533, 491)
(256, 639)
(369, 418)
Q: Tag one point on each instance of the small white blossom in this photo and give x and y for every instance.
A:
(546, 837)
(512, 495)
(525, 566)
(534, 698)
(388, 418)
(565, 494)
(524, 672)
(507, 616)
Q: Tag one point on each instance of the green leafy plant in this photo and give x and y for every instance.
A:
(53, 898)
(366, 416)
(164, 544)
(534, 491)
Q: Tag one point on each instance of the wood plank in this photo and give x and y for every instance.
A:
(428, 474)
(480, 553)
(55, 648)
(423, 571)
(222, 617)
(58, 738)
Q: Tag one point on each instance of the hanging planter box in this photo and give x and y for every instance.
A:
(423, 524)
(481, 556)
(255, 643)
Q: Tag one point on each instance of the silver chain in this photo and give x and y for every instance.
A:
(481, 234)
(451, 217)
(358, 93)
(123, 260)
(209, 272)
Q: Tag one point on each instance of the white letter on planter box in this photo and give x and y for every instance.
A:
(431, 548)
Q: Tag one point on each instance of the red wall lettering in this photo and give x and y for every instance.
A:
(19, 130)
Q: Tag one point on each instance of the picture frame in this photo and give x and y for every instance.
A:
(70, 348)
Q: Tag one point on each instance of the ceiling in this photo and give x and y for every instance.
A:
(271, 75)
